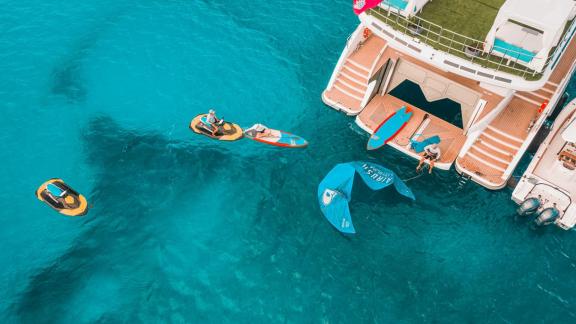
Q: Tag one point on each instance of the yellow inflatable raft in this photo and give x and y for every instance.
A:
(226, 132)
(58, 195)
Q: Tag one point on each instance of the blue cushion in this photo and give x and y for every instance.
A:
(55, 190)
(419, 146)
(513, 51)
(399, 4)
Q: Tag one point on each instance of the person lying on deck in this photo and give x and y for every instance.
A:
(61, 197)
(432, 154)
(257, 131)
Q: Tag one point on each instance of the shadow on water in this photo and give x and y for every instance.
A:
(67, 80)
(128, 244)
(161, 261)
(67, 77)
(131, 248)
(140, 176)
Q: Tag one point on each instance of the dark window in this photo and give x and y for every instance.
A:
(445, 109)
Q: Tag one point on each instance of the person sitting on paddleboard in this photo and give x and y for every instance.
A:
(257, 131)
(431, 153)
(213, 121)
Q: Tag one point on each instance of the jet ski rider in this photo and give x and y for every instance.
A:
(213, 122)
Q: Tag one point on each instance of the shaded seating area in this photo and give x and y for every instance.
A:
(518, 42)
(526, 31)
(425, 88)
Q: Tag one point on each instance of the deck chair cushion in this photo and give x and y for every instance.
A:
(419, 146)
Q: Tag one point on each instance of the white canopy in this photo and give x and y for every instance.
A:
(546, 20)
(569, 134)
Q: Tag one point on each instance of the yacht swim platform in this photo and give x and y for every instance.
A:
(418, 127)
(369, 57)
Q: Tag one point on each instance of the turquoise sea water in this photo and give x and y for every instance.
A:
(185, 229)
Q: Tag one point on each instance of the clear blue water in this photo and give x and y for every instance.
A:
(185, 229)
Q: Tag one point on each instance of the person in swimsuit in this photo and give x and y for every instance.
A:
(432, 154)
(257, 131)
(61, 197)
(213, 121)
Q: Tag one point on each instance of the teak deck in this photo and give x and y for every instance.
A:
(382, 107)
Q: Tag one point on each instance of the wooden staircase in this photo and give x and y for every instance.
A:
(494, 150)
(539, 96)
(351, 83)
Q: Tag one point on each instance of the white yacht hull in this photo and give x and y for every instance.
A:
(549, 179)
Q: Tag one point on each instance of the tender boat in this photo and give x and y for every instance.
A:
(548, 187)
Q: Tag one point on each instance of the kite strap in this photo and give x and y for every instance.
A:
(414, 177)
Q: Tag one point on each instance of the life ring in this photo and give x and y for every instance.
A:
(366, 33)
(543, 106)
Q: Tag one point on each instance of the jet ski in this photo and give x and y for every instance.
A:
(226, 131)
(65, 200)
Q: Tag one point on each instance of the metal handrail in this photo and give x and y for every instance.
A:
(458, 44)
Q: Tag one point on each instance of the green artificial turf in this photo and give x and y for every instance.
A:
(472, 18)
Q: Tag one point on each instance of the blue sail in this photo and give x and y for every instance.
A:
(335, 190)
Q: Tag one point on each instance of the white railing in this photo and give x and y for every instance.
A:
(563, 44)
(369, 89)
(478, 127)
(470, 49)
(352, 44)
(375, 63)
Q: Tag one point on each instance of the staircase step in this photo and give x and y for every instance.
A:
(350, 92)
(551, 84)
(352, 77)
(502, 133)
(343, 99)
(476, 167)
(500, 141)
(550, 91)
(360, 88)
(527, 99)
(535, 96)
(488, 144)
(491, 155)
(358, 65)
(479, 159)
(351, 69)
(543, 95)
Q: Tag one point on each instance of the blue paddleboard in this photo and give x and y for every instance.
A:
(389, 128)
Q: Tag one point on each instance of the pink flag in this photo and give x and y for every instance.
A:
(362, 5)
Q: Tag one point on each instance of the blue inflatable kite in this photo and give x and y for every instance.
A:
(335, 190)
